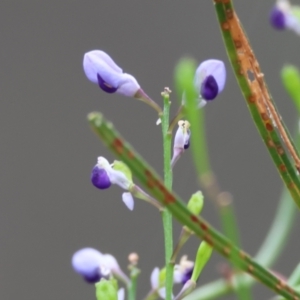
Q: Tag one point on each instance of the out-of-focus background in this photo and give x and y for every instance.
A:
(48, 207)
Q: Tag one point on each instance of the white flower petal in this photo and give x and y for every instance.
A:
(102, 162)
(154, 278)
(162, 292)
(128, 200)
(179, 138)
(117, 177)
(121, 294)
(177, 275)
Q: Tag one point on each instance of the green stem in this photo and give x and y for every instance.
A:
(134, 273)
(166, 214)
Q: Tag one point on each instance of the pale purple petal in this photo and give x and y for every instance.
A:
(110, 262)
(128, 85)
(162, 293)
(154, 278)
(87, 263)
(117, 177)
(121, 294)
(105, 57)
(128, 200)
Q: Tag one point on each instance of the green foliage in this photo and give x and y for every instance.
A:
(106, 289)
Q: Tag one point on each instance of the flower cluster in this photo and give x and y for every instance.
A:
(102, 269)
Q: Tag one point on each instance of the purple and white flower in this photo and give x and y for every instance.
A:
(184, 270)
(210, 79)
(102, 70)
(282, 16)
(181, 140)
(92, 265)
(104, 175)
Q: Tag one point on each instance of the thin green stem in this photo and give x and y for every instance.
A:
(202, 229)
(166, 214)
(134, 273)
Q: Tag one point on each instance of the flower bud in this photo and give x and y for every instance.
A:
(101, 69)
(195, 204)
(181, 140)
(87, 263)
(105, 289)
(210, 78)
(203, 255)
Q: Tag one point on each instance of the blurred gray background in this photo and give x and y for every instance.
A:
(48, 207)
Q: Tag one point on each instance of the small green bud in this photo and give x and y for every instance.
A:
(203, 255)
(291, 80)
(195, 203)
(122, 167)
(106, 289)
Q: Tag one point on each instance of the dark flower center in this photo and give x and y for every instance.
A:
(209, 88)
(105, 86)
(100, 178)
(277, 18)
(92, 278)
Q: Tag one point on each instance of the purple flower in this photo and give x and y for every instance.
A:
(277, 18)
(101, 69)
(100, 178)
(183, 272)
(284, 16)
(92, 265)
(87, 263)
(181, 140)
(210, 78)
(104, 175)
